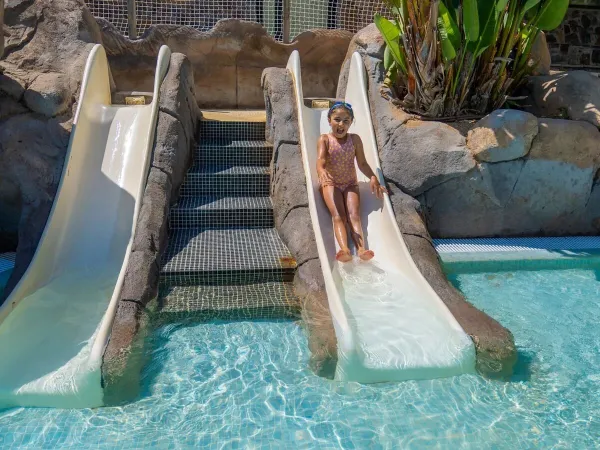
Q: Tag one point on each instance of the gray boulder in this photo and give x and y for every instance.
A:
(502, 135)
(434, 152)
(546, 193)
(567, 95)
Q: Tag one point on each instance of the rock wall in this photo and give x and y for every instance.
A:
(39, 85)
(292, 218)
(174, 141)
(228, 60)
(576, 42)
(417, 157)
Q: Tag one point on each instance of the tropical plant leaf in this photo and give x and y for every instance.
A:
(552, 13)
(447, 22)
(388, 59)
(391, 35)
(501, 6)
(529, 4)
(470, 20)
(487, 27)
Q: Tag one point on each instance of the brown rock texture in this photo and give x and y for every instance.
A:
(175, 139)
(292, 218)
(46, 46)
(228, 60)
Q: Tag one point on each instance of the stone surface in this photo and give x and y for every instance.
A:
(567, 95)
(152, 224)
(229, 59)
(420, 155)
(299, 235)
(309, 286)
(173, 151)
(546, 193)
(280, 104)
(177, 95)
(540, 56)
(48, 95)
(502, 135)
(46, 46)
(126, 353)
(32, 151)
(288, 184)
(575, 42)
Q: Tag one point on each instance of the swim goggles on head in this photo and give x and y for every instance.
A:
(336, 104)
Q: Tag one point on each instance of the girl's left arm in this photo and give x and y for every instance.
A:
(364, 167)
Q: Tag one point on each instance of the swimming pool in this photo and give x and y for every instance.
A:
(247, 385)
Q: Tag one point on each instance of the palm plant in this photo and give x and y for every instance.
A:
(462, 57)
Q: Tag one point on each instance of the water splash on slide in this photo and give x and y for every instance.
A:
(394, 326)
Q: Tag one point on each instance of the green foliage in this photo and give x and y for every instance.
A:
(457, 57)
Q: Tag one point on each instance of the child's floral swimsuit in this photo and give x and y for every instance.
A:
(340, 164)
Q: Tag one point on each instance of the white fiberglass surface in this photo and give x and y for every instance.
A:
(56, 322)
(390, 324)
(48, 335)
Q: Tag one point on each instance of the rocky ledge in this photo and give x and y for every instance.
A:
(228, 60)
(292, 218)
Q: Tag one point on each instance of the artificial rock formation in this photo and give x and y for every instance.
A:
(418, 157)
(503, 135)
(568, 95)
(292, 217)
(39, 84)
(172, 156)
(228, 60)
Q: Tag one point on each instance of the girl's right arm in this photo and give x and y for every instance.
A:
(322, 159)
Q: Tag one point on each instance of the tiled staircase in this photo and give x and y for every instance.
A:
(225, 258)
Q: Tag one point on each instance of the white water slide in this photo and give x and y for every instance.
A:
(55, 325)
(389, 322)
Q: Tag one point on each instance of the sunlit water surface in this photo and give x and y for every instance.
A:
(247, 385)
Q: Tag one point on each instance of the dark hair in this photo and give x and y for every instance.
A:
(341, 105)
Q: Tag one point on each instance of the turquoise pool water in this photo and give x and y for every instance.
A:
(246, 385)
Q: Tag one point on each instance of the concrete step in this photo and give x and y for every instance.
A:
(271, 300)
(234, 152)
(226, 257)
(222, 212)
(232, 181)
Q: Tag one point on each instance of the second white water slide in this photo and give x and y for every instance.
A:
(55, 324)
(389, 322)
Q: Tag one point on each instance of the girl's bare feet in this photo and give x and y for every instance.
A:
(365, 254)
(343, 256)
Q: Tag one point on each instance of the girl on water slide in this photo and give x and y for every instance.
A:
(339, 185)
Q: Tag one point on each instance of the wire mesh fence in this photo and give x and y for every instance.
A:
(283, 19)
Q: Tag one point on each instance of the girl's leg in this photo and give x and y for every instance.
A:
(352, 201)
(335, 203)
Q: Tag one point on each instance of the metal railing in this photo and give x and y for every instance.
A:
(283, 19)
